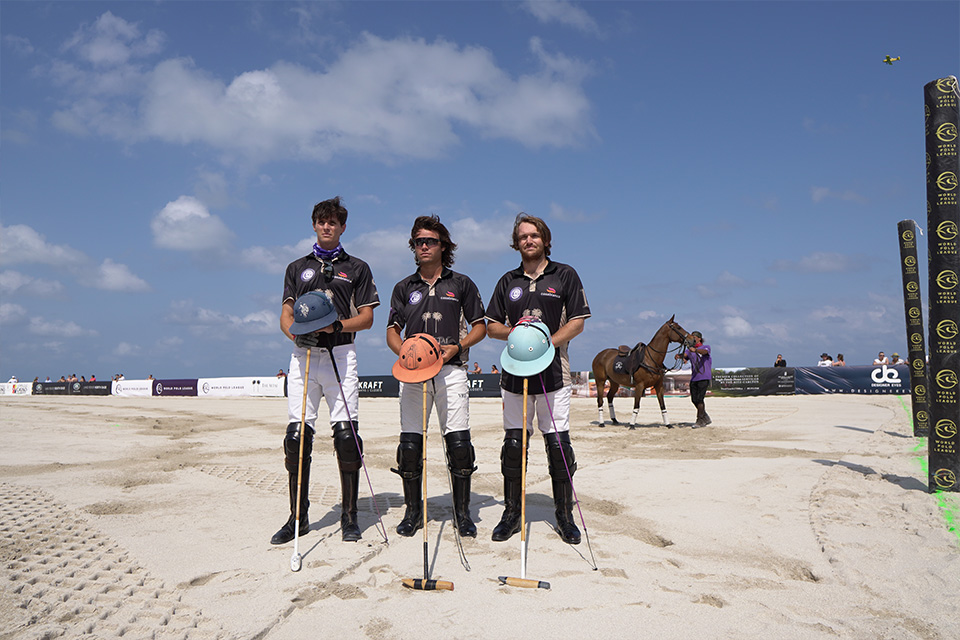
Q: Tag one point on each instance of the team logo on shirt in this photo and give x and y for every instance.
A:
(450, 295)
(340, 275)
(515, 293)
(550, 292)
(307, 274)
(415, 297)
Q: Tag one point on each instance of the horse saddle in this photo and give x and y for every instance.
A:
(628, 360)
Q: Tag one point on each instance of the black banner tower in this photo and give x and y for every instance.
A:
(943, 218)
(913, 312)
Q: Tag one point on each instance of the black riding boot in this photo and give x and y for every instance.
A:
(562, 465)
(702, 418)
(511, 468)
(349, 485)
(413, 499)
(460, 459)
(461, 503)
(510, 520)
(291, 446)
(410, 470)
(349, 448)
(563, 500)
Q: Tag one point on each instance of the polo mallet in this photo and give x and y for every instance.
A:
(527, 353)
(419, 363)
(566, 466)
(346, 407)
(295, 560)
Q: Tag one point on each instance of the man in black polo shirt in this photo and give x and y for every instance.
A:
(347, 281)
(552, 293)
(446, 305)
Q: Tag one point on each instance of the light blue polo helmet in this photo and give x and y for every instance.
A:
(529, 349)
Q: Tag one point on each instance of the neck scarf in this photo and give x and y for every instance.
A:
(324, 254)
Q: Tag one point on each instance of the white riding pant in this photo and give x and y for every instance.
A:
(323, 384)
(448, 390)
(540, 404)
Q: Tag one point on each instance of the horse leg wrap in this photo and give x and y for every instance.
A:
(600, 415)
(613, 414)
(666, 420)
(348, 445)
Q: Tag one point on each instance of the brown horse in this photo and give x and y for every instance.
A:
(649, 374)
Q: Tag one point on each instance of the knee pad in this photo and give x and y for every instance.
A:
(409, 456)
(460, 454)
(291, 446)
(511, 452)
(348, 449)
(559, 449)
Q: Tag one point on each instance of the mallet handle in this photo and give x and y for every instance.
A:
(427, 585)
(523, 582)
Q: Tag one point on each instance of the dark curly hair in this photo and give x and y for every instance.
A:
(432, 223)
(330, 209)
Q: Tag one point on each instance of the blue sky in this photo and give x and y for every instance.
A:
(742, 165)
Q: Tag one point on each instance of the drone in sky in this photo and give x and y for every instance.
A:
(888, 60)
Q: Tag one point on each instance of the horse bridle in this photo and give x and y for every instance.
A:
(682, 343)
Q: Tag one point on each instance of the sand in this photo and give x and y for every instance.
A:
(789, 517)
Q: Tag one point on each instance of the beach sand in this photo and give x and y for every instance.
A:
(788, 517)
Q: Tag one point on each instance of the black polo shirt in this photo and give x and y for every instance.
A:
(445, 310)
(347, 280)
(555, 298)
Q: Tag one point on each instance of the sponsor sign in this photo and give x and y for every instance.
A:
(484, 385)
(859, 380)
(379, 387)
(257, 387)
(175, 387)
(913, 314)
(132, 388)
(762, 381)
(50, 388)
(16, 388)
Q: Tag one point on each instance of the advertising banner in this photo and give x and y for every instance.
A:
(257, 387)
(913, 314)
(175, 387)
(760, 381)
(942, 117)
(484, 385)
(379, 387)
(97, 388)
(878, 379)
(50, 388)
(132, 388)
(16, 388)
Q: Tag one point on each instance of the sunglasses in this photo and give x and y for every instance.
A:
(429, 242)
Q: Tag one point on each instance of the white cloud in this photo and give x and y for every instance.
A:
(186, 225)
(395, 99)
(819, 194)
(117, 277)
(59, 329)
(563, 12)
(823, 262)
(126, 349)
(386, 251)
(202, 320)
(16, 282)
(276, 259)
(18, 44)
(481, 241)
(21, 244)
(112, 41)
(11, 313)
(735, 327)
(563, 214)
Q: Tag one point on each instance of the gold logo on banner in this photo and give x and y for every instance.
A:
(913, 287)
(920, 390)
(922, 416)
(947, 85)
(914, 312)
(945, 478)
(947, 329)
(947, 181)
(946, 429)
(947, 132)
(947, 279)
(916, 338)
(947, 230)
(910, 261)
(917, 364)
(946, 379)
(907, 235)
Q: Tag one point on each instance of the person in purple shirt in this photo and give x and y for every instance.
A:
(698, 355)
